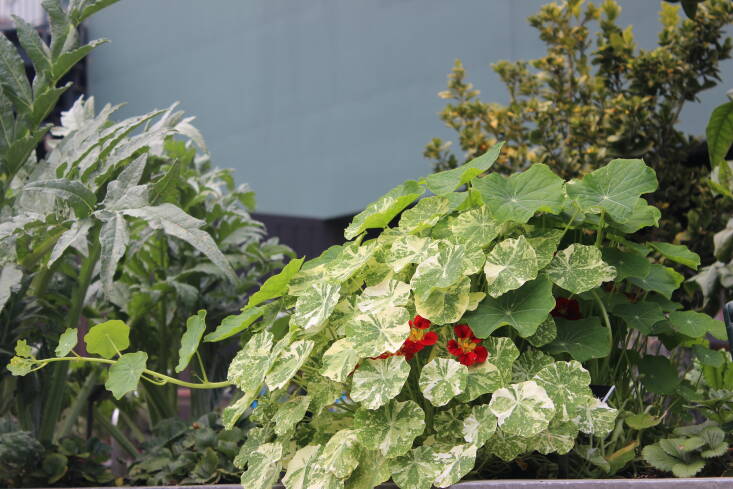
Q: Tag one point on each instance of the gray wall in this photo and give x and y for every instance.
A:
(321, 105)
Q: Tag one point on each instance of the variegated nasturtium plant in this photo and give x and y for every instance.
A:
(471, 329)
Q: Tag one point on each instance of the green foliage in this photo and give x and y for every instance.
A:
(687, 453)
(425, 400)
(593, 97)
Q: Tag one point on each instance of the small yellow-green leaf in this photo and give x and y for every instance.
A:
(67, 342)
(234, 324)
(108, 338)
(276, 285)
(125, 374)
(195, 327)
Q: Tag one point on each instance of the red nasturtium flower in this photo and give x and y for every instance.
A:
(467, 347)
(566, 308)
(418, 339)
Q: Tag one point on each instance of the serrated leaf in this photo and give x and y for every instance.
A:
(380, 212)
(693, 324)
(518, 197)
(658, 458)
(447, 181)
(509, 265)
(125, 374)
(108, 338)
(522, 409)
(424, 215)
(195, 327)
(627, 264)
(658, 374)
(410, 249)
(614, 188)
(495, 372)
(546, 333)
(12, 70)
(476, 227)
(234, 324)
(288, 363)
(417, 469)
(677, 253)
(445, 269)
(277, 285)
(456, 463)
(82, 200)
(479, 426)
(377, 381)
(390, 429)
(289, 414)
(640, 315)
(445, 305)
(67, 342)
(442, 379)
(315, 306)
(523, 309)
(579, 268)
(583, 339)
(249, 366)
(340, 454)
(567, 385)
(376, 333)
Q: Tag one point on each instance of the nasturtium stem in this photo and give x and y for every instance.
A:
(167, 379)
(599, 233)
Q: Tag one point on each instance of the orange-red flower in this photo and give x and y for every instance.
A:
(467, 347)
(419, 337)
(566, 308)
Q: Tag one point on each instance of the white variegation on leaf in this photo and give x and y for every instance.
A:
(452, 262)
(495, 372)
(445, 305)
(455, 464)
(424, 215)
(287, 364)
(522, 409)
(509, 265)
(546, 333)
(390, 429)
(315, 306)
(507, 447)
(304, 472)
(340, 454)
(479, 426)
(380, 212)
(408, 249)
(595, 417)
(289, 414)
(340, 360)
(263, 467)
(559, 438)
(417, 469)
(475, 227)
(377, 381)
(579, 268)
(388, 293)
(567, 385)
(378, 332)
(545, 244)
(442, 379)
(247, 370)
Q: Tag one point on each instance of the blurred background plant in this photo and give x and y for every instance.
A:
(589, 100)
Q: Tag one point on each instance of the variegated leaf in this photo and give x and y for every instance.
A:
(288, 363)
(529, 363)
(522, 409)
(507, 447)
(377, 332)
(545, 244)
(442, 379)
(452, 262)
(455, 464)
(546, 333)
(579, 268)
(388, 293)
(377, 381)
(509, 265)
(380, 212)
(304, 472)
(289, 414)
(595, 417)
(424, 215)
(479, 426)
(373, 469)
(247, 370)
(445, 305)
(408, 249)
(495, 372)
(340, 455)
(557, 438)
(339, 360)
(263, 467)
(567, 385)
(315, 306)
(475, 227)
(390, 429)
(417, 469)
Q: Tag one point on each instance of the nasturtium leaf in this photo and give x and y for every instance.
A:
(263, 466)
(408, 249)
(509, 265)
(287, 364)
(518, 197)
(450, 423)
(627, 263)
(351, 260)
(390, 429)
(315, 306)
(546, 333)
(289, 414)
(641, 315)
(567, 385)
(693, 324)
(235, 324)
(455, 464)
(195, 327)
(529, 363)
(643, 216)
(340, 360)
(108, 338)
(375, 333)
(417, 469)
(545, 244)
(377, 381)
(507, 447)
(323, 393)
(642, 421)
(479, 426)
(379, 213)
(522, 409)
(677, 253)
(373, 470)
(340, 454)
(614, 188)
(596, 417)
(719, 134)
(442, 379)
(67, 342)
(276, 285)
(579, 268)
(557, 438)
(124, 375)
(452, 262)
(583, 339)
(658, 374)
(523, 309)
(231, 414)
(249, 366)
(706, 356)
(20, 366)
(495, 372)
(424, 215)
(660, 279)
(445, 305)
(23, 349)
(388, 293)
(475, 227)
(447, 181)
(304, 472)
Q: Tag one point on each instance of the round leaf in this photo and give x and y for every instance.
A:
(377, 381)
(522, 409)
(67, 342)
(442, 379)
(124, 375)
(390, 429)
(108, 338)
(509, 265)
(579, 268)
